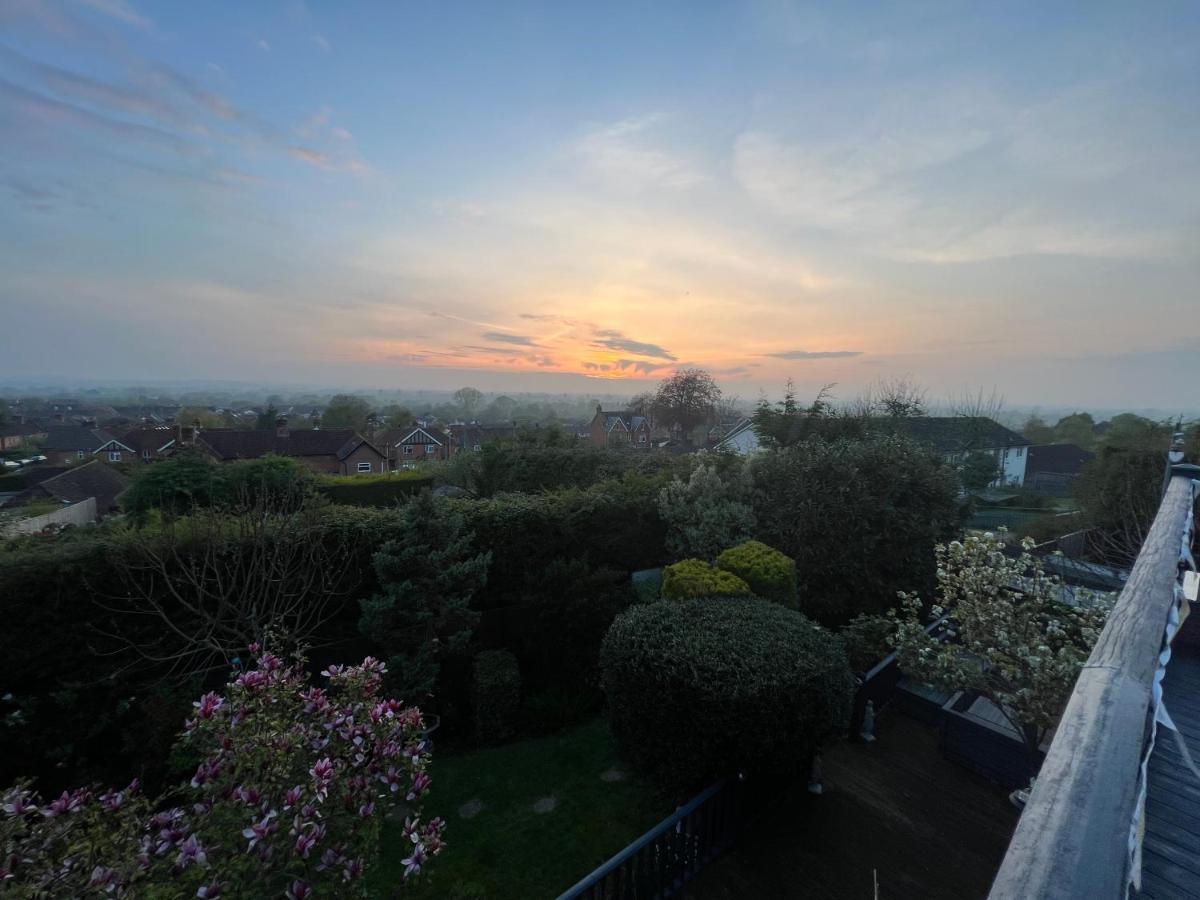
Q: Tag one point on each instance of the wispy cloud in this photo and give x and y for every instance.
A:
(119, 10)
(263, 45)
(623, 155)
(500, 337)
(321, 43)
(815, 354)
(615, 340)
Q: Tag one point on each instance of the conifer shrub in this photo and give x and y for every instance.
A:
(696, 578)
(702, 688)
(769, 573)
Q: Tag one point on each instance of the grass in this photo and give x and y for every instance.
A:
(507, 849)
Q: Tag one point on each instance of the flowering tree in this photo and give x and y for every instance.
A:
(287, 800)
(1011, 637)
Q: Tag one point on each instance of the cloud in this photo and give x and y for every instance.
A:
(614, 340)
(639, 365)
(324, 161)
(815, 354)
(619, 154)
(524, 340)
(119, 10)
(321, 43)
(263, 45)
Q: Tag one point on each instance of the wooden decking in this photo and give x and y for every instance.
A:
(894, 809)
(1171, 848)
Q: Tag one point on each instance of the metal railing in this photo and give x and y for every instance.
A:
(672, 853)
(1074, 838)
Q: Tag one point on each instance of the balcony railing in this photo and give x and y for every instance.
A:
(1078, 831)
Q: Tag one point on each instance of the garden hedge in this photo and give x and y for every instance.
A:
(373, 490)
(696, 578)
(699, 689)
(497, 696)
(770, 574)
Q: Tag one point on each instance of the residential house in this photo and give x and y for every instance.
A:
(336, 451)
(405, 447)
(619, 429)
(149, 442)
(77, 484)
(20, 434)
(1051, 468)
(742, 438)
(956, 437)
(471, 436)
(69, 445)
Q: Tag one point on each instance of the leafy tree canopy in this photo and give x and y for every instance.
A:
(346, 411)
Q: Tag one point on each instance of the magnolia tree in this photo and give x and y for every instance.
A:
(287, 800)
(1010, 636)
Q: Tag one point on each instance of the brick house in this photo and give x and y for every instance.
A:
(405, 447)
(69, 445)
(619, 428)
(149, 442)
(336, 451)
(20, 434)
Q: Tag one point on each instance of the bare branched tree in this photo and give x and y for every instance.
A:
(897, 398)
(209, 584)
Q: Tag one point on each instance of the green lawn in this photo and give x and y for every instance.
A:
(509, 850)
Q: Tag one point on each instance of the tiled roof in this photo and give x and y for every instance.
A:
(141, 440)
(75, 437)
(20, 429)
(1060, 459)
(93, 479)
(229, 443)
(949, 434)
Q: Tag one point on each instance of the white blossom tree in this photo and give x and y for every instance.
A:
(1010, 635)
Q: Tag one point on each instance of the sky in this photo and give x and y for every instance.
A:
(586, 197)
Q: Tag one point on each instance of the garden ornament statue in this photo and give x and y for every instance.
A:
(867, 732)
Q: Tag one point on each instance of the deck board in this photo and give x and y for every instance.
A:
(1171, 849)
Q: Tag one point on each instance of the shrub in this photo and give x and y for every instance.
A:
(859, 516)
(288, 799)
(497, 696)
(699, 688)
(373, 490)
(866, 641)
(696, 578)
(707, 513)
(770, 574)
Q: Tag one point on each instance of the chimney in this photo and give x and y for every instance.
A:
(281, 429)
(599, 409)
(316, 419)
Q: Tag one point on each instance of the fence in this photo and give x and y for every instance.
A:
(1073, 840)
(77, 514)
(668, 856)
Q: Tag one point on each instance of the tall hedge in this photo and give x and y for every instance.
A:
(699, 689)
(373, 490)
(769, 573)
(497, 696)
(859, 516)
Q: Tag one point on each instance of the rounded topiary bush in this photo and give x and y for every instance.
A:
(699, 689)
(696, 578)
(769, 573)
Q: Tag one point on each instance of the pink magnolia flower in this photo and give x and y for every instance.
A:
(299, 890)
(413, 862)
(207, 705)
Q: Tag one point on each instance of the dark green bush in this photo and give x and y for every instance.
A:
(373, 490)
(696, 578)
(497, 696)
(770, 574)
(866, 641)
(647, 585)
(699, 689)
(859, 516)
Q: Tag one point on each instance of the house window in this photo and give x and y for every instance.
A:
(477, 447)
(79, 454)
(430, 448)
(641, 439)
(408, 449)
(364, 467)
(146, 455)
(114, 455)
(1020, 450)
